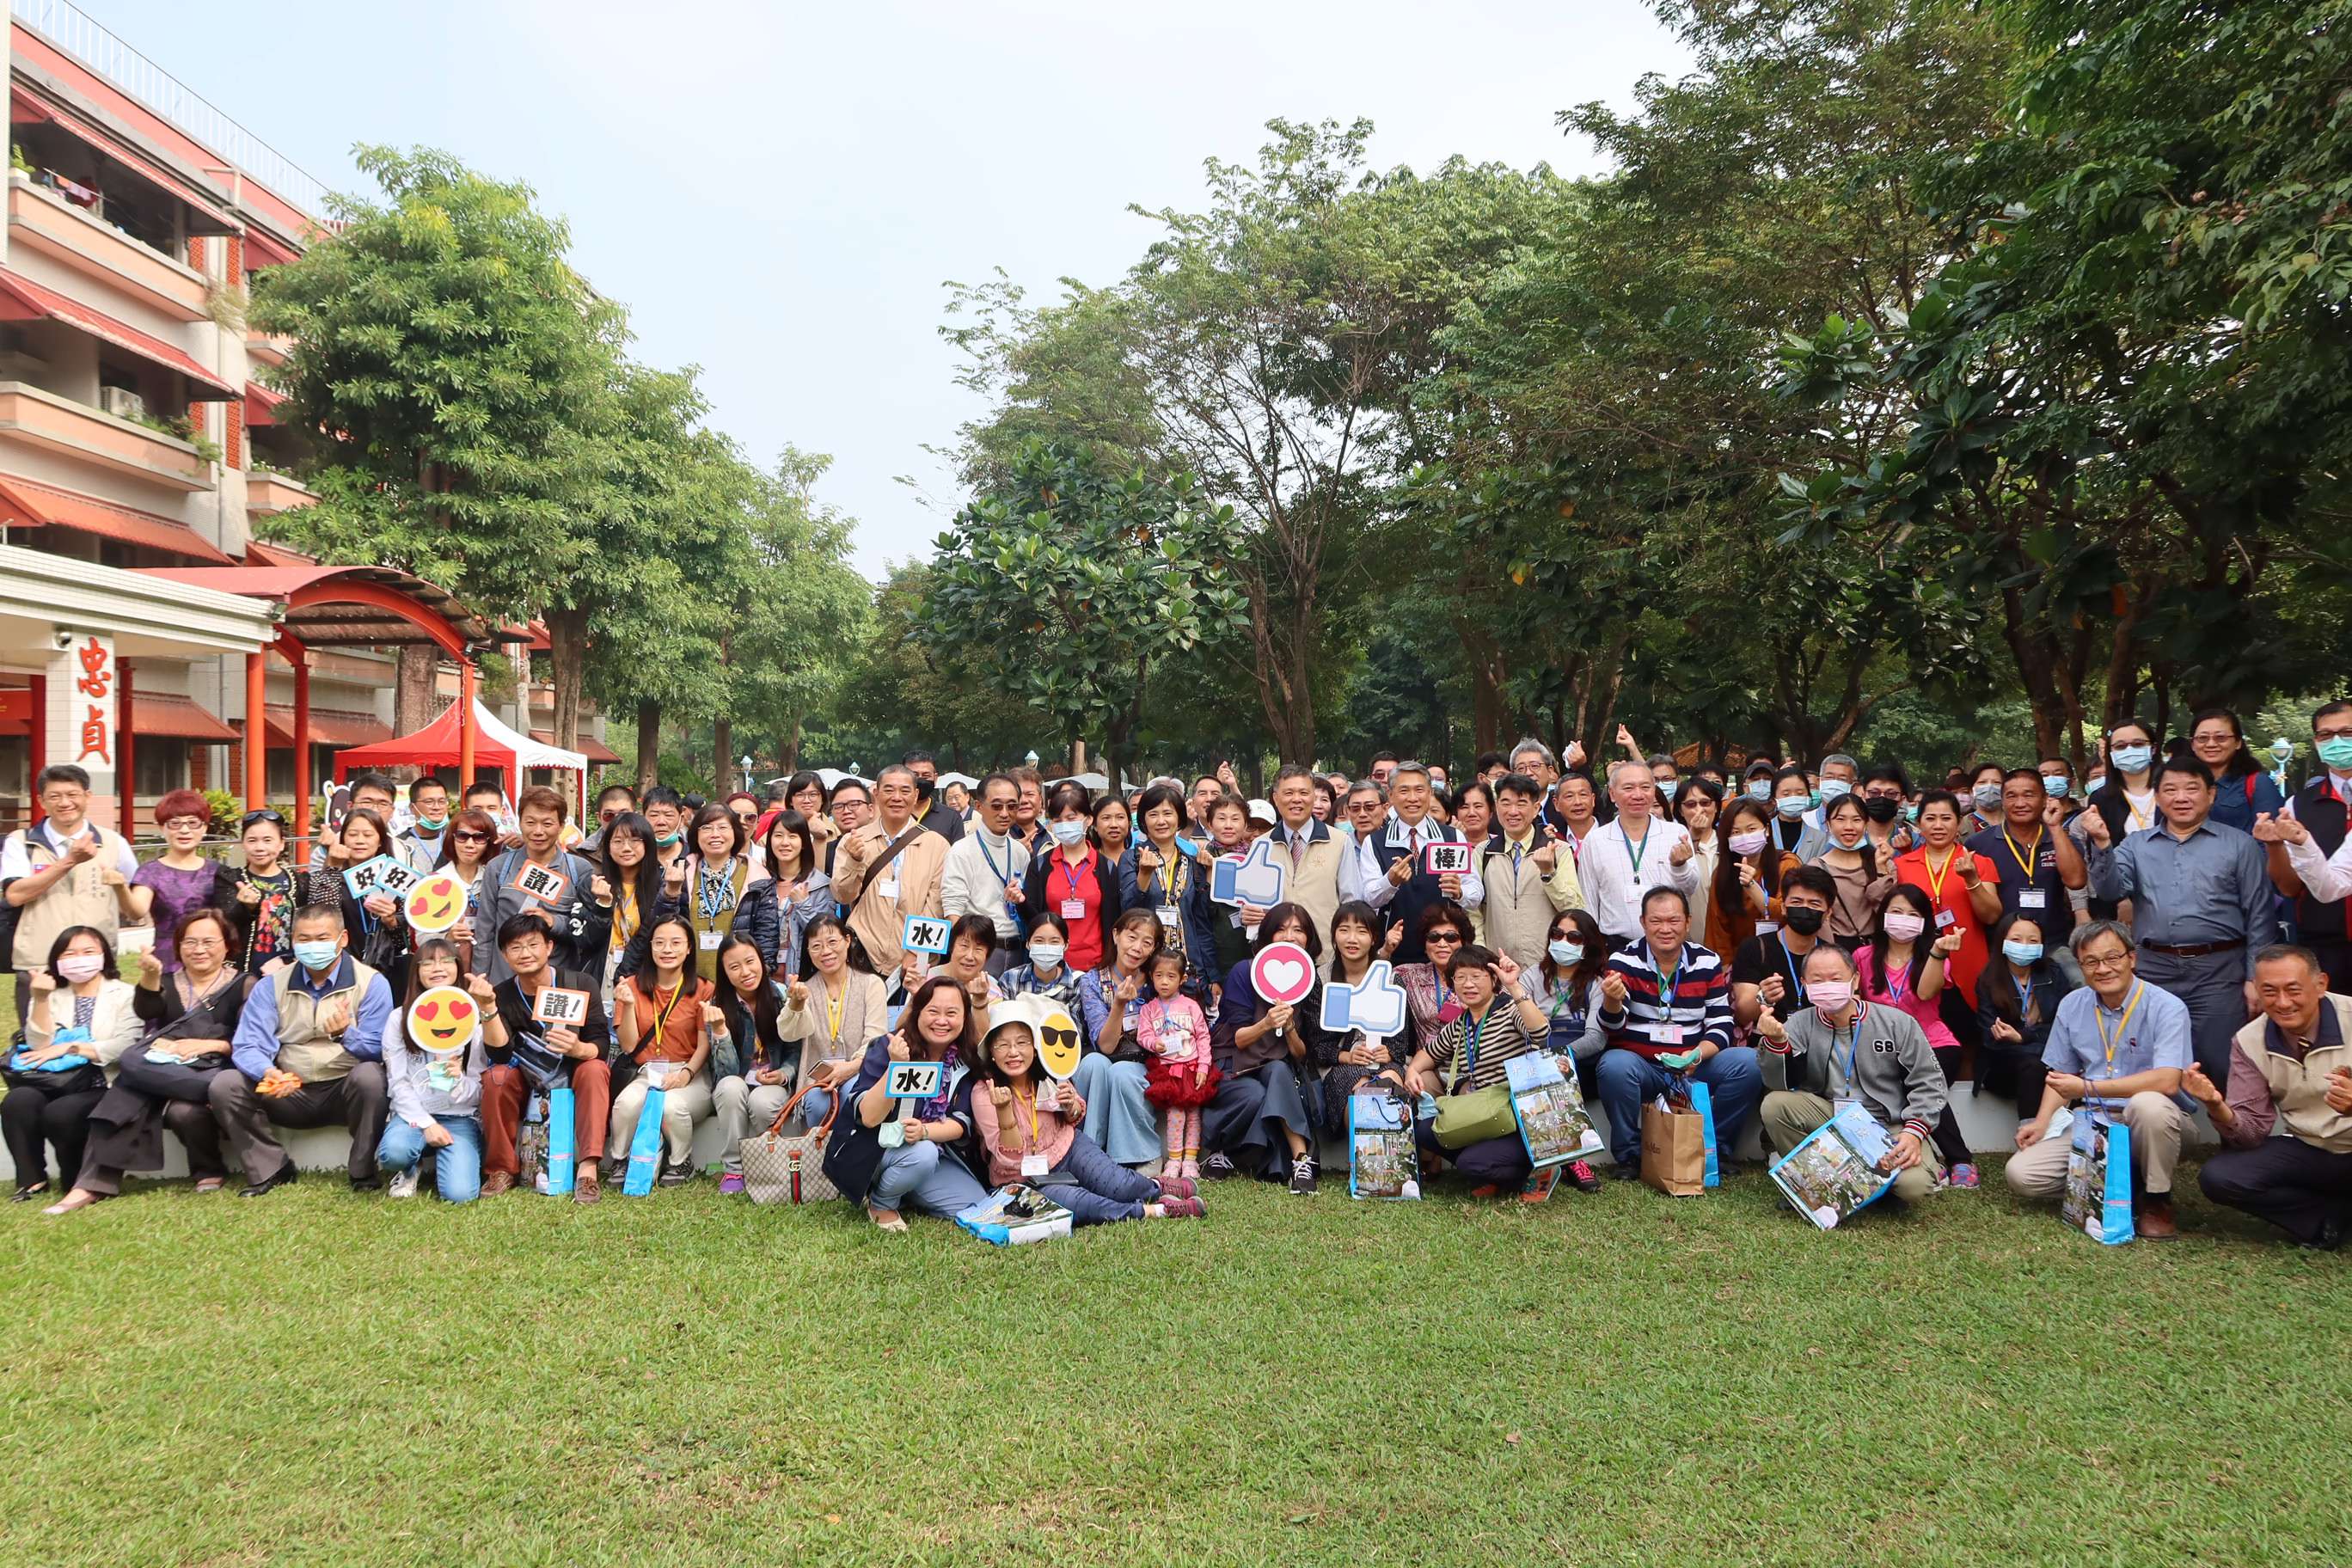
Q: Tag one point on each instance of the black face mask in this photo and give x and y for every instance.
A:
(1803, 921)
(1882, 808)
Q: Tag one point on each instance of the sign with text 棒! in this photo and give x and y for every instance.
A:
(926, 933)
(1444, 860)
(1282, 972)
(914, 1080)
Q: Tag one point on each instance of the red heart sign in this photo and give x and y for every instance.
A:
(461, 1010)
(428, 1010)
(418, 903)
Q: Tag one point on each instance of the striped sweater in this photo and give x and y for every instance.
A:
(1656, 1026)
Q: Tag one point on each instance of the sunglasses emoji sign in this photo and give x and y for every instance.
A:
(1057, 1045)
(441, 1020)
(436, 904)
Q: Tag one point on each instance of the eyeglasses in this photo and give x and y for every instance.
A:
(2101, 965)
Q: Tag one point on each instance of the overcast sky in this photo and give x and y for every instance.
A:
(777, 192)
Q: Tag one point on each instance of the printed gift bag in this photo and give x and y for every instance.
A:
(2098, 1199)
(1382, 1162)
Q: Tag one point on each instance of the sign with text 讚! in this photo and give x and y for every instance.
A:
(560, 1009)
(914, 1080)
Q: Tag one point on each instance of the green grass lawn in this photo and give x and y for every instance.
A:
(323, 1378)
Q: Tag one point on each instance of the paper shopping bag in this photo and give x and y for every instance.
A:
(645, 1147)
(1673, 1147)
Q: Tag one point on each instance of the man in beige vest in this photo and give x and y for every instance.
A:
(309, 1053)
(2287, 1122)
(64, 871)
(1313, 852)
(879, 896)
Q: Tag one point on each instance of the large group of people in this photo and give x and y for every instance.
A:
(2162, 937)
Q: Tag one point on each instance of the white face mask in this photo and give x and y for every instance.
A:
(1045, 954)
(1067, 831)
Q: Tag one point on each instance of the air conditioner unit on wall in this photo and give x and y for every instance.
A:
(121, 401)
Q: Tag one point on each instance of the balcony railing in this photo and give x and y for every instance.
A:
(75, 32)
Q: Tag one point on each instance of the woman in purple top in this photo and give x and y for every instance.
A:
(167, 889)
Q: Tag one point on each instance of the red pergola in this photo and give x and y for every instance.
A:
(339, 606)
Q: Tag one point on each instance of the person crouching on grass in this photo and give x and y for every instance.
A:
(1497, 1023)
(1029, 1125)
(436, 1097)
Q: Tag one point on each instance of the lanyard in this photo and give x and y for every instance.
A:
(1666, 983)
(2133, 812)
(2099, 1014)
(1004, 876)
(1634, 852)
(1471, 1028)
(1795, 979)
(661, 1021)
(1028, 1102)
(1069, 875)
(835, 1001)
(1935, 880)
(1852, 1048)
(2025, 1001)
(2024, 859)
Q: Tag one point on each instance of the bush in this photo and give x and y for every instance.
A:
(228, 812)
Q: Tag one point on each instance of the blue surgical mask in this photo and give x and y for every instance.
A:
(1759, 789)
(317, 954)
(1566, 955)
(2022, 953)
(1046, 954)
(1833, 788)
(2057, 784)
(1790, 806)
(1067, 831)
(1987, 796)
(1813, 797)
(2134, 759)
(2336, 751)
(433, 824)
(1669, 787)
(1910, 814)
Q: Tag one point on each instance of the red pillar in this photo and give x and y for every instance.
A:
(125, 768)
(466, 677)
(36, 745)
(302, 754)
(256, 730)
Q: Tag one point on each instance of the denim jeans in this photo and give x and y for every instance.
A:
(926, 1176)
(1106, 1190)
(1733, 1082)
(457, 1167)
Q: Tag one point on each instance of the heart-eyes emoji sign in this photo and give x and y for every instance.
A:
(436, 904)
(441, 1020)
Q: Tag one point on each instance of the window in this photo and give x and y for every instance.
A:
(160, 765)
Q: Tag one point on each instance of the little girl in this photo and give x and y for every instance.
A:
(1179, 1079)
(1030, 1127)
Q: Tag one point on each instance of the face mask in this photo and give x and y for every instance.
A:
(317, 954)
(1987, 796)
(1789, 806)
(2022, 953)
(1748, 842)
(1910, 814)
(2134, 759)
(2336, 751)
(1803, 921)
(666, 840)
(1830, 995)
(2057, 784)
(1045, 954)
(1669, 787)
(1844, 841)
(1759, 789)
(431, 824)
(1882, 808)
(76, 967)
(1833, 788)
(1904, 928)
(1067, 832)
(1566, 955)
(1813, 797)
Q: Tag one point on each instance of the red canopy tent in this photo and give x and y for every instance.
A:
(441, 744)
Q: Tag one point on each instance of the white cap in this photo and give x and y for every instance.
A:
(1263, 811)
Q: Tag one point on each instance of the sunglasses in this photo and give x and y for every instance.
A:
(1446, 936)
(1057, 1038)
(253, 817)
(468, 835)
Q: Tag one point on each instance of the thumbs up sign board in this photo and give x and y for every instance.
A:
(1376, 1006)
(1257, 878)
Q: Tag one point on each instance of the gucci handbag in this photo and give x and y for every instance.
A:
(789, 1168)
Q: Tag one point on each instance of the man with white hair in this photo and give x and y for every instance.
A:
(1623, 861)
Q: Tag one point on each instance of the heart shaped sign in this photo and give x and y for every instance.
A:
(441, 1020)
(1282, 972)
(438, 903)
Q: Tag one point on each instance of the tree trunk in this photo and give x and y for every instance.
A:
(567, 663)
(722, 741)
(788, 750)
(648, 746)
(413, 689)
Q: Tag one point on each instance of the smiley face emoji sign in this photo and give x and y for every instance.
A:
(441, 1020)
(437, 903)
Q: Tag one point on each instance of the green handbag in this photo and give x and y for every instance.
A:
(1467, 1119)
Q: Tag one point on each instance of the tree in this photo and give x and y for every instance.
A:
(800, 608)
(1074, 588)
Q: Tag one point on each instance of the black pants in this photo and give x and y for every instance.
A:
(34, 1117)
(358, 1101)
(1949, 1143)
(2284, 1181)
(2016, 1073)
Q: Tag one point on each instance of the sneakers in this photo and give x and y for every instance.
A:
(676, 1175)
(1302, 1175)
(404, 1182)
(1181, 1208)
(497, 1182)
(1962, 1175)
(728, 1185)
(1624, 1171)
(1218, 1168)
(1581, 1174)
(1176, 1187)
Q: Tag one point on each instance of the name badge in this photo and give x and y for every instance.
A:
(2032, 898)
(1765, 928)
(1034, 1166)
(1668, 1034)
(711, 940)
(1944, 918)
(888, 886)
(1168, 916)
(1073, 909)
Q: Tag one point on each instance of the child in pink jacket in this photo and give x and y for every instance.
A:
(1180, 1078)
